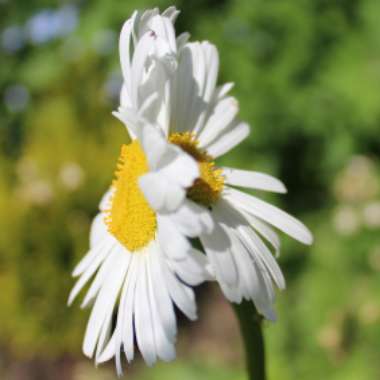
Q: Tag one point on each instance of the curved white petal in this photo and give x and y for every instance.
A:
(171, 13)
(105, 303)
(163, 28)
(125, 56)
(228, 140)
(223, 115)
(260, 251)
(251, 257)
(175, 246)
(182, 40)
(253, 180)
(218, 246)
(154, 145)
(194, 269)
(98, 230)
(265, 231)
(172, 171)
(192, 220)
(99, 279)
(161, 293)
(223, 90)
(186, 103)
(178, 167)
(160, 193)
(182, 295)
(143, 316)
(271, 214)
(164, 344)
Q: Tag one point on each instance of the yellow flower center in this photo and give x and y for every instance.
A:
(130, 218)
(207, 188)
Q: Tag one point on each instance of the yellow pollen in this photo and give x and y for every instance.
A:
(207, 188)
(130, 218)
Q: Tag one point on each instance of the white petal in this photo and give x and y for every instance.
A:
(101, 276)
(172, 13)
(187, 105)
(261, 252)
(206, 81)
(223, 90)
(174, 244)
(154, 144)
(129, 117)
(253, 180)
(104, 335)
(175, 170)
(161, 293)
(156, 83)
(212, 63)
(178, 166)
(148, 107)
(182, 295)
(124, 321)
(218, 248)
(265, 231)
(221, 118)
(142, 21)
(89, 271)
(229, 140)
(163, 28)
(160, 193)
(143, 317)
(91, 256)
(125, 100)
(271, 214)
(164, 344)
(98, 231)
(127, 323)
(182, 40)
(249, 258)
(125, 49)
(140, 58)
(104, 304)
(244, 265)
(194, 269)
(172, 162)
(262, 293)
(109, 351)
(192, 220)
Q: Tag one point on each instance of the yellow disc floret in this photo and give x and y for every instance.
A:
(207, 188)
(130, 218)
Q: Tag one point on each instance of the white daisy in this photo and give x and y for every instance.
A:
(140, 257)
(141, 261)
(202, 119)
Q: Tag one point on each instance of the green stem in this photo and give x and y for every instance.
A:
(251, 331)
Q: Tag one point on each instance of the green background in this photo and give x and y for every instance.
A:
(307, 76)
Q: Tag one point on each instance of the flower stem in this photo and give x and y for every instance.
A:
(251, 331)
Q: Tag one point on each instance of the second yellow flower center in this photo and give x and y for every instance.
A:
(208, 187)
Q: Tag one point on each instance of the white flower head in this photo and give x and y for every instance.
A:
(140, 257)
(202, 119)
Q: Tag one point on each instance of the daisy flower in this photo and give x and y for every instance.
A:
(142, 264)
(202, 119)
(140, 259)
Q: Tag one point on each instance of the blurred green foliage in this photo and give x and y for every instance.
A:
(307, 75)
